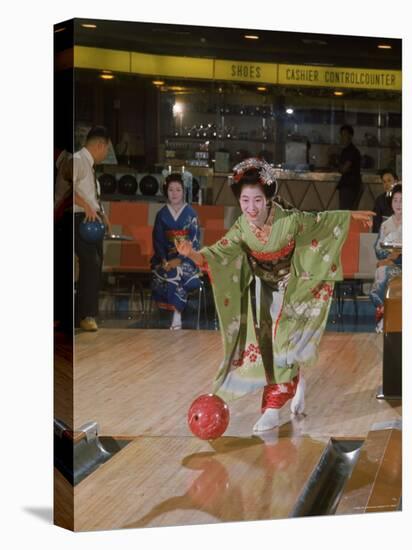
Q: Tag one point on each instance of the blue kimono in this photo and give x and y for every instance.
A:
(170, 288)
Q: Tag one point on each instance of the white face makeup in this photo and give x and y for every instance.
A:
(253, 204)
(397, 204)
(175, 194)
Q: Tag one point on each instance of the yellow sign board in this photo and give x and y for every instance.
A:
(241, 71)
(100, 58)
(167, 65)
(246, 71)
(339, 77)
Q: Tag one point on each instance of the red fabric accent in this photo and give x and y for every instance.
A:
(274, 255)
(322, 291)
(251, 353)
(172, 234)
(378, 313)
(206, 268)
(163, 305)
(276, 395)
(277, 322)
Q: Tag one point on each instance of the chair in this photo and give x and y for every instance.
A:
(359, 265)
(129, 263)
(199, 293)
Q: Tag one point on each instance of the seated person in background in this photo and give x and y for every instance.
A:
(389, 261)
(174, 275)
(382, 206)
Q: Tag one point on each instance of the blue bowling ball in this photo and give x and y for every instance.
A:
(92, 232)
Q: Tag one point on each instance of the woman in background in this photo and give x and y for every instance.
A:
(174, 275)
(389, 260)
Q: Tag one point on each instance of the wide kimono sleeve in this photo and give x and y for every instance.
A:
(230, 273)
(159, 238)
(194, 230)
(315, 266)
(318, 244)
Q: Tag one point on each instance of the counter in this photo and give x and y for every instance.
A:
(306, 190)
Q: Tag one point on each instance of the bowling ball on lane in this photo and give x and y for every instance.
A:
(107, 184)
(149, 185)
(128, 185)
(208, 416)
(92, 232)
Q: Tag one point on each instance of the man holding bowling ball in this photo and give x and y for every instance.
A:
(87, 208)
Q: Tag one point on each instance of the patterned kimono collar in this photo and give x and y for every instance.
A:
(175, 215)
(263, 233)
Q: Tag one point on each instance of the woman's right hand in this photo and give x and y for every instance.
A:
(183, 247)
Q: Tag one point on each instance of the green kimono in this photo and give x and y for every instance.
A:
(297, 267)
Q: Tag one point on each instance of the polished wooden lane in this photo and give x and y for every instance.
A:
(141, 382)
(376, 481)
(195, 482)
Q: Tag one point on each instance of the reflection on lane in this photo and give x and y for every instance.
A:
(241, 479)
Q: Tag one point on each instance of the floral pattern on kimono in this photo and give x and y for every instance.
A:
(302, 289)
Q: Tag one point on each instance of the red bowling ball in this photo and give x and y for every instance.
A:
(208, 416)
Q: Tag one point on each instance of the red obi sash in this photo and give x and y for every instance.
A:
(173, 234)
(270, 256)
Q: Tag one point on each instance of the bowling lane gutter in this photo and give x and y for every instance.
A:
(322, 491)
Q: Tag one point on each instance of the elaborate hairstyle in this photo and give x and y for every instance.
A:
(254, 171)
(347, 128)
(98, 133)
(397, 188)
(174, 176)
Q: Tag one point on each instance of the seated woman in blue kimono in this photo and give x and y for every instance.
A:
(389, 260)
(174, 275)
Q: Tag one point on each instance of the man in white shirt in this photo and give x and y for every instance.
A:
(87, 207)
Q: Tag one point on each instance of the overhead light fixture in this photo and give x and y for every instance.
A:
(178, 109)
(177, 88)
(384, 46)
(251, 36)
(158, 82)
(262, 88)
(106, 76)
(89, 25)
(338, 93)
(289, 111)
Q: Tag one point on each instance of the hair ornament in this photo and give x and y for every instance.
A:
(266, 172)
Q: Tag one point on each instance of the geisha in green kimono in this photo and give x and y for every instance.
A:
(290, 261)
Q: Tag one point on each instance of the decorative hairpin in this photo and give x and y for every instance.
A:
(266, 172)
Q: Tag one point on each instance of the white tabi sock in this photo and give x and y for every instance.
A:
(297, 405)
(177, 320)
(268, 420)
